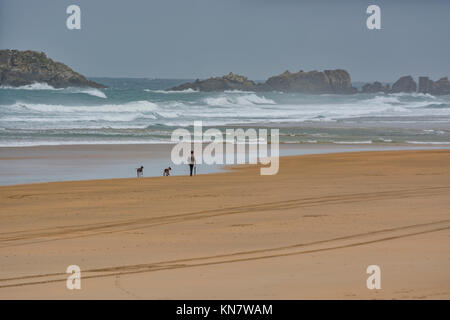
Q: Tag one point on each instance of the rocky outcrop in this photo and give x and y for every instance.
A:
(18, 68)
(425, 84)
(408, 85)
(375, 88)
(230, 81)
(328, 81)
(440, 87)
(404, 84)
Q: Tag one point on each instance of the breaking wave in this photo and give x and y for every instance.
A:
(44, 86)
(244, 100)
(33, 86)
(189, 90)
(135, 106)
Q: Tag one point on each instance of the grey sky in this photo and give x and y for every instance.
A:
(256, 38)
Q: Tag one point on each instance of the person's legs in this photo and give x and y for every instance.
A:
(191, 167)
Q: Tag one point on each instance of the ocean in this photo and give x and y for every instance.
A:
(136, 111)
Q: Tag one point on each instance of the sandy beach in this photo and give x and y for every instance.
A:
(308, 232)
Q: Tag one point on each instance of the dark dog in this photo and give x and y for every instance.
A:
(140, 171)
(166, 172)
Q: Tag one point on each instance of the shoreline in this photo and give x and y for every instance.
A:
(42, 164)
(308, 232)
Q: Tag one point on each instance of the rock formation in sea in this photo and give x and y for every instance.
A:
(404, 84)
(19, 68)
(440, 87)
(408, 85)
(328, 81)
(375, 87)
(230, 81)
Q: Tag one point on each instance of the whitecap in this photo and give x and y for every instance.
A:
(239, 100)
(189, 90)
(90, 91)
(134, 106)
(413, 94)
(33, 86)
(238, 91)
(45, 86)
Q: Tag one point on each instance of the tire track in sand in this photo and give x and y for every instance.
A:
(69, 232)
(243, 256)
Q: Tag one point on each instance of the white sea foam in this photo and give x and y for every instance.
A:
(218, 102)
(428, 142)
(33, 86)
(253, 99)
(189, 90)
(90, 91)
(382, 100)
(44, 86)
(238, 91)
(81, 121)
(400, 102)
(413, 94)
(79, 142)
(353, 142)
(382, 140)
(239, 100)
(134, 106)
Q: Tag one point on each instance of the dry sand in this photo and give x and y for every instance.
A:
(309, 232)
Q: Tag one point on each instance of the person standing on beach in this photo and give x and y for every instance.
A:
(191, 162)
(140, 171)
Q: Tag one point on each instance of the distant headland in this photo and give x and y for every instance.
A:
(19, 68)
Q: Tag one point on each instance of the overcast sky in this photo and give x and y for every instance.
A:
(256, 38)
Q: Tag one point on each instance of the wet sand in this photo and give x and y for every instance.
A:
(20, 165)
(308, 232)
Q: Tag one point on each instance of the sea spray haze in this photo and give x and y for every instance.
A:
(143, 111)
